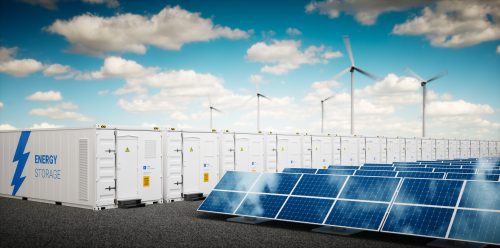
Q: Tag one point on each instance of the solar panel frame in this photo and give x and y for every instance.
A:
(384, 168)
(346, 172)
(410, 192)
(375, 173)
(300, 170)
(414, 169)
(335, 207)
(465, 176)
(419, 174)
(451, 234)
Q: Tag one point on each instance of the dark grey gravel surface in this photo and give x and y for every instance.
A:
(32, 224)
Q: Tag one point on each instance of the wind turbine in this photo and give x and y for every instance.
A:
(323, 111)
(258, 104)
(212, 108)
(352, 69)
(424, 83)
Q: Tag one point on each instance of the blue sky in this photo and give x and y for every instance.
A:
(77, 63)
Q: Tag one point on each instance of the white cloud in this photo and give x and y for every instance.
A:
(332, 55)
(45, 125)
(293, 31)
(6, 127)
(48, 4)
(17, 67)
(365, 11)
(60, 112)
(255, 78)
(1, 105)
(109, 3)
(45, 96)
(455, 23)
(103, 92)
(282, 56)
(498, 49)
(458, 108)
(56, 69)
(170, 29)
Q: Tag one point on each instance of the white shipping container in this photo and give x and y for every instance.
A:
(474, 149)
(441, 149)
(172, 164)
(352, 150)
(465, 149)
(394, 150)
(270, 155)
(492, 149)
(428, 149)
(483, 149)
(289, 151)
(375, 150)
(337, 153)
(497, 147)
(227, 153)
(322, 151)
(454, 149)
(306, 151)
(419, 149)
(411, 150)
(94, 168)
(249, 154)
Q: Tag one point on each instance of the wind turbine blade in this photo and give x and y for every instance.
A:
(218, 110)
(347, 43)
(265, 97)
(442, 74)
(328, 98)
(367, 74)
(340, 74)
(413, 74)
(246, 101)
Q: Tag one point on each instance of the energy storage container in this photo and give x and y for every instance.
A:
(428, 149)
(249, 152)
(474, 149)
(270, 155)
(94, 168)
(321, 151)
(375, 150)
(453, 149)
(465, 149)
(227, 157)
(442, 149)
(353, 151)
(411, 150)
(492, 149)
(394, 150)
(337, 153)
(306, 160)
(289, 151)
(483, 149)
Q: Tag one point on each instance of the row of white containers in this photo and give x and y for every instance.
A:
(98, 167)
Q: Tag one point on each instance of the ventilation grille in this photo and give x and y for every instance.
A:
(83, 169)
(150, 149)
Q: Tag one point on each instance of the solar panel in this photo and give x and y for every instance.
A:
(300, 170)
(410, 165)
(371, 164)
(417, 220)
(481, 195)
(375, 173)
(480, 226)
(222, 202)
(472, 176)
(335, 172)
(420, 169)
(237, 181)
(277, 183)
(429, 192)
(302, 209)
(496, 172)
(259, 205)
(364, 215)
(416, 174)
(343, 167)
(370, 188)
(319, 185)
(445, 166)
(455, 170)
(385, 168)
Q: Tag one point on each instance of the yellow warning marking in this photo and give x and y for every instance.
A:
(205, 177)
(145, 181)
(324, 167)
(241, 148)
(190, 149)
(127, 150)
(254, 170)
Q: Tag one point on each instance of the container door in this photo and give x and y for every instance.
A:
(337, 154)
(393, 152)
(349, 151)
(474, 149)
(492, 149)
(372, 150)
(497, 148)
(361, 142)
(105, 167)
(173, 163)
(465, 149)
(127, 168)
(321, 152)
(294, 152)
(256, 149)
(316, 153)
(271, 153)
(427, 149)
(402, 149)
(242, 153)
(453, 149)
(282, 153)
(193, 172)
(441, 149)
(227, 152)
(306, 151)
(383, 150)
(483, 149)
(411, 150)
(419, 149)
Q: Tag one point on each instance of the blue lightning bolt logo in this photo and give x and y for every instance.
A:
(20, 157)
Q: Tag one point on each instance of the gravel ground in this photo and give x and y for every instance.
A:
(32, 224)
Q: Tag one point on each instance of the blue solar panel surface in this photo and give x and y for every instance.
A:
(419, 169)
(429, 192)
(311, 210)
(222, 202)
(365, 215)
(344, 167)
(455, 170)
(413, 174)
(371, 164)
(237, 181)
(370, 188)
(277, 183)
(300, 170)
(319, 185)
(472, 176)
(335, 172)
(259, 205)
(481, 194)
(384, 168)
(426, 221)
(478, 226)
(375, 173)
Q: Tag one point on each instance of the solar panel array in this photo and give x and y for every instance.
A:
(445, 205)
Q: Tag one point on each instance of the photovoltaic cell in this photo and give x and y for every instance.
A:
(429, 192)
(481, 194)
(237, 180)
(300, 170)
(426, 221)
(410, 165)
(445, 166)
(319, 185)
(413, 174)
(343, 167)
(370, 188)
(419, 169)
(472, 176)
(388, 165)
(335, 172)
(384, 168)
(481, 226)
(455, 170)
(365, 215)
(222, 202)
(496, 172)
(277, 183)
(261, 205)
(312, 210)
(375, 173)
